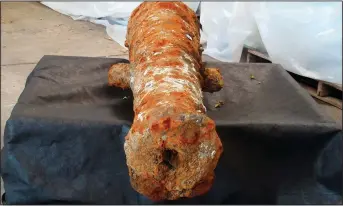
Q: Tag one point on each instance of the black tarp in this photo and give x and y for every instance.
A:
(64, 140)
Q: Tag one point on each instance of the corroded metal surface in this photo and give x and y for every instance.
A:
(172, 147)
(119, 75)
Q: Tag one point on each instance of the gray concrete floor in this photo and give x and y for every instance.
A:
(29, 30)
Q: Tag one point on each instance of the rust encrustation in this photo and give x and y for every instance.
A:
(172, 147)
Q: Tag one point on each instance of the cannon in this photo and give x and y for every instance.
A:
(172, 147)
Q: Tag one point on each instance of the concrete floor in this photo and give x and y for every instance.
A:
(29, 30)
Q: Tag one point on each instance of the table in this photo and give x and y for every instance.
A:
(64, 139)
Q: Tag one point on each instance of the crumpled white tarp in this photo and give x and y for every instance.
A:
(304, 37)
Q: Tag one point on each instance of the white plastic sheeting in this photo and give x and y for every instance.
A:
(304, 37)
(226, 26)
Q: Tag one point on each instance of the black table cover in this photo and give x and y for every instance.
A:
(64, 140)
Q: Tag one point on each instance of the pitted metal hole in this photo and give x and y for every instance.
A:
(170, 158)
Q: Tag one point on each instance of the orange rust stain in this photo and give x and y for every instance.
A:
(166, 123)
(143, 59)
(155, 127)
(211, 125)
(187, 78)
(161, 125)
(166, 63)
(158, 77)
(161, 42)
(189, 140)
(178, 94)
(166, 5)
